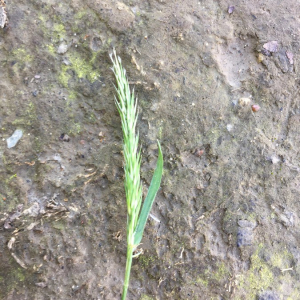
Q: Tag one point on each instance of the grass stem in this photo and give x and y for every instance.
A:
(127, 272)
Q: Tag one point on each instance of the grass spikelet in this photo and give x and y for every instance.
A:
(136, 217)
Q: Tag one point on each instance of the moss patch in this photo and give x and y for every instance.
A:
(146, 260)
(259, 277)
(22, 55)
(145, 297)
(58, 225)
(81, 67)
(51, 49)
(282, 260)
(19, 274)
(201, 281)
(59, 29)
(56, 31)
(29, 118)
(221, 273)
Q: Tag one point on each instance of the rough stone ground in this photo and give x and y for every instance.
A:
(229, 202)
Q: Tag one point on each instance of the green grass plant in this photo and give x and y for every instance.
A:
(137, 210)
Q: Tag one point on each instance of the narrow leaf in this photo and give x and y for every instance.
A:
(154, 186)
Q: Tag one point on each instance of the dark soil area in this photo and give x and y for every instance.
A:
(225, 221)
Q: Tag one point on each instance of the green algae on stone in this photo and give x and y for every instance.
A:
(75, 128)
(19, 274)
(29, 117)
(92, 118)
(22, 55)
(11, 177)
(71, 96)
(221, 273)
(80, 66)
(83, 68)
(56, 31)
(59, 29)
(51, 49)
(12, 277)
(58, 225)
(294, 295)
(146, 297)
(282, 260)
(64, 76)
(80, 14)
(38, 144)
(201, 281)
(259, 277)
(87, 17)
(146, 260)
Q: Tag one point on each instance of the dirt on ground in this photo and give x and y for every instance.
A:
(217, 83)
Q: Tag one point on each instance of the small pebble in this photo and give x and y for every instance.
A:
(255, 108)
(64, 137)
(199, 152)
(13, 140)
(245, 233)
(244, 237)
(260, 57)
(231, 9)
(229, 127)
(62, 48)
(271, 46)
(290, 57)
(275, 159)
(66, 61)
(244, 101)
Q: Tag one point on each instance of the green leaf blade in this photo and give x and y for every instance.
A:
(147, 205)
